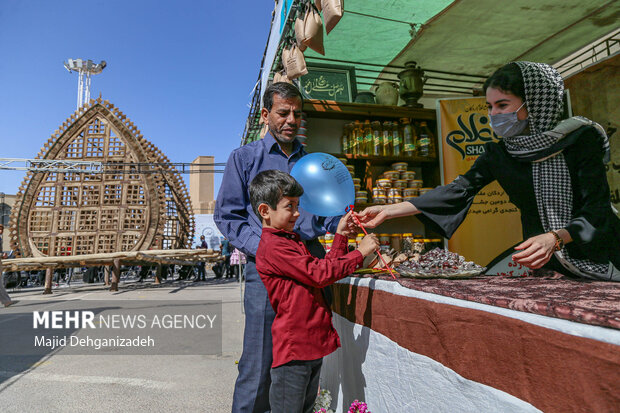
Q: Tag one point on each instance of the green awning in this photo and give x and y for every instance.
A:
(374, 32)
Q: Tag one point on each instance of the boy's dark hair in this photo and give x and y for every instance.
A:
(507, 78)
(282, 89)
(269, 187)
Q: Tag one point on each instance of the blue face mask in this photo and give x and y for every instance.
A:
(507, 124)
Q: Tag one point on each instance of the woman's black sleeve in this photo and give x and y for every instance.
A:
(444, 208)
(595, 230)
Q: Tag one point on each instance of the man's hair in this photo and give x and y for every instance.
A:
(270, 186)
(282, 89)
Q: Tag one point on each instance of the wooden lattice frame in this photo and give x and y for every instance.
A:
(78, 213)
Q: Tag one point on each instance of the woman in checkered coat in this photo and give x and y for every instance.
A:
(552, 170)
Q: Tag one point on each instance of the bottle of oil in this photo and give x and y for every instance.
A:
(368, 138)
(358, 138)
(409, 138)
(396, 140)
(388, 139)
(344, 140)
(427, 141)
(377, 139)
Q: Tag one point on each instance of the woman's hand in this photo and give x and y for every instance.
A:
(536, 251)
(373, 216)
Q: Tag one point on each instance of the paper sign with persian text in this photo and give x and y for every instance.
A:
(493, 223)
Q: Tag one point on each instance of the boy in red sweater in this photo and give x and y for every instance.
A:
(302, 329)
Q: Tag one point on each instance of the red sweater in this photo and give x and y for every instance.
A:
(302, 329)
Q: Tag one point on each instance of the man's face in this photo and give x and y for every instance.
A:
(283, 119)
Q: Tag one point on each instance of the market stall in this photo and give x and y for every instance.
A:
(478, 344)
(484, 344)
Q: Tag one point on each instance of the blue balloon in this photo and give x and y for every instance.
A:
(328, 186)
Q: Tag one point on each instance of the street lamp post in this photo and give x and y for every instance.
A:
(84, 68)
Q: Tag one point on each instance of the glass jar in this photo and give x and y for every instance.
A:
(384, 242)
(391, 175)
(388, 141)
(397, 140)
(410, 192)
(418, 244)
(400, 166)
(400, 183)
(407, 242)
(328, 244)
(396, 242)
(436, 243)
(376, 191)
(409, 138)
(380, 199)
(377, 139)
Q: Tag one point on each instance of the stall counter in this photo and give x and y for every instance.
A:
(526, 344)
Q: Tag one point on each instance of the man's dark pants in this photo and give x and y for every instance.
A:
(252, 386)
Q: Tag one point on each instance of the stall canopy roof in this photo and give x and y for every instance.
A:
(463, 36)
(374, 32)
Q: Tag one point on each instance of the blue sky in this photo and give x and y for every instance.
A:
(182, 71)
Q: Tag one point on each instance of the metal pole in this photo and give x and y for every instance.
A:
(80, 86)
(87, 89)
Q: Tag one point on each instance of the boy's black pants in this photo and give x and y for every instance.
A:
(294, 386)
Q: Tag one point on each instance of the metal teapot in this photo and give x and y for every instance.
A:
(412, 82)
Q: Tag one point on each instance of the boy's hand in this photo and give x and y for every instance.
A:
(368, 245)
(347, 226)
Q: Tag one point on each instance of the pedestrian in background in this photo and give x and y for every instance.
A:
(202, 275)
(225, 251)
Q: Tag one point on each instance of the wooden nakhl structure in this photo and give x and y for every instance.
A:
(120, 210)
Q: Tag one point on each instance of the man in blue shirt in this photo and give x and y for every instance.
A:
(279, 149)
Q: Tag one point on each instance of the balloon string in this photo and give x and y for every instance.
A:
(359, 224)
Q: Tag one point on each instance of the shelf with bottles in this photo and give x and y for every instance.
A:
(404, 138)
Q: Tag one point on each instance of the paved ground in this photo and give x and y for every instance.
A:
(111, 383)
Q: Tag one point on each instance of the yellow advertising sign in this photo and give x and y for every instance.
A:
(493, 224)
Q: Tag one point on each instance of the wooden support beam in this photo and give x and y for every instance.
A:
(116, 274)
(158, 274)
(48, 281)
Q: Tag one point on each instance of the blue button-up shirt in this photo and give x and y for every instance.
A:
(234, 216)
